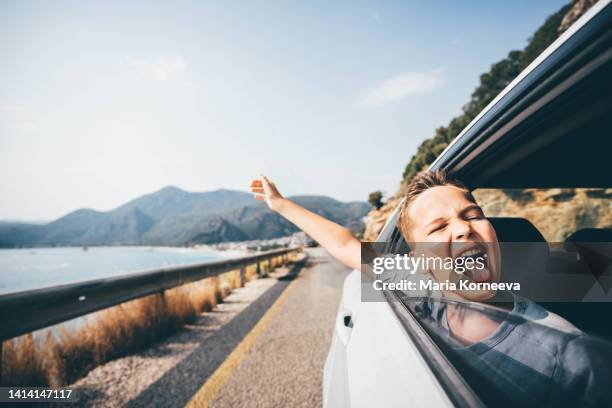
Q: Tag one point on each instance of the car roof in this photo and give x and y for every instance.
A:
(537, 62)
(558, 109)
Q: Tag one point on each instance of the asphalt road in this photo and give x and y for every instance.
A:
(265, 346)
(284, 367)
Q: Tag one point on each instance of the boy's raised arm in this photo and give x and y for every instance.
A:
(338, 240)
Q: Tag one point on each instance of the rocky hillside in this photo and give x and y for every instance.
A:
(491, 83)
(556, 212)
(579, 7)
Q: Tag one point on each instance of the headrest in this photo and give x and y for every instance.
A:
(595, 246)
(524, 253)
(515, 230)
(591, 235)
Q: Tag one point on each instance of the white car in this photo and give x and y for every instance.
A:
(551, 128)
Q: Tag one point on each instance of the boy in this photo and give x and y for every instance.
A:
(529, 355)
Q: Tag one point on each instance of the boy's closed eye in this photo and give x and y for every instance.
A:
(436, 228)
(475, 214)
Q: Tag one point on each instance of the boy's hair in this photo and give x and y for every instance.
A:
(421, 183)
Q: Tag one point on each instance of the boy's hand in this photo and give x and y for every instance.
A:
(264, 189)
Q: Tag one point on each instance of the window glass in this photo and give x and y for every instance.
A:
(548, 343)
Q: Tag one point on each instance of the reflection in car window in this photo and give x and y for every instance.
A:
(550, 343)
(527, 355)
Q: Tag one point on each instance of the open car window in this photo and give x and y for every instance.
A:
(537, 164)
(549, 342)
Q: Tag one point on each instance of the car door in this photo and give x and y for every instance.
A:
(372, 360)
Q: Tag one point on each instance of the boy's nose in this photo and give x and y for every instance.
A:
(461, 230)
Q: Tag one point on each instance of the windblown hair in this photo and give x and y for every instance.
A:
(421, 183)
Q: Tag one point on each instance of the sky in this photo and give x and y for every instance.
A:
(101, 102)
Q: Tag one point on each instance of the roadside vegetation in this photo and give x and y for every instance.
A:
(375, 199)
(62, 354)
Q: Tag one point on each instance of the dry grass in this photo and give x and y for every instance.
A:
(21, 363)
(60, 356)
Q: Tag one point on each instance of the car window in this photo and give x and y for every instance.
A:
(548, 343)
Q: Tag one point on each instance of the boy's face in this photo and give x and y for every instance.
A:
(445, 223)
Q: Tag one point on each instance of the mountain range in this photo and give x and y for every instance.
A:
(172, 216)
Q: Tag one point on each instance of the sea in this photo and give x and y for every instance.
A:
(34, 268)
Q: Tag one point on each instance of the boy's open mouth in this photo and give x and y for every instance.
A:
(477, 268)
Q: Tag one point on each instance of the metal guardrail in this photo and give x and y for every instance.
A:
(24, 312)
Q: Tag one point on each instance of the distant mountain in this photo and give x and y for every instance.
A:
(258, 222)
(17, 234)
(172, 216)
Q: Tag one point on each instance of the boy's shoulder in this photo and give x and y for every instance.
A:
(537, 314)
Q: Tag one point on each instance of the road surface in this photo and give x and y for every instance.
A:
(265, 346)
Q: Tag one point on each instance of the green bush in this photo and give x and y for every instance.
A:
(375, 199)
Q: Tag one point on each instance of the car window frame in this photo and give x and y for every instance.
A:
(466, 147)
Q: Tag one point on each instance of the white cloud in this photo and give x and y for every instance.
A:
(163, 68)
(401, 86)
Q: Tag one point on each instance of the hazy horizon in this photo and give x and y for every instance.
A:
(102, 102)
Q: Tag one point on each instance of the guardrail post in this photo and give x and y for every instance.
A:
(160, 302)
(265, 268)
(242, 276)
(271, 266)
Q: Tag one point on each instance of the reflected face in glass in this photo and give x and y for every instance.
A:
(446, 223)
